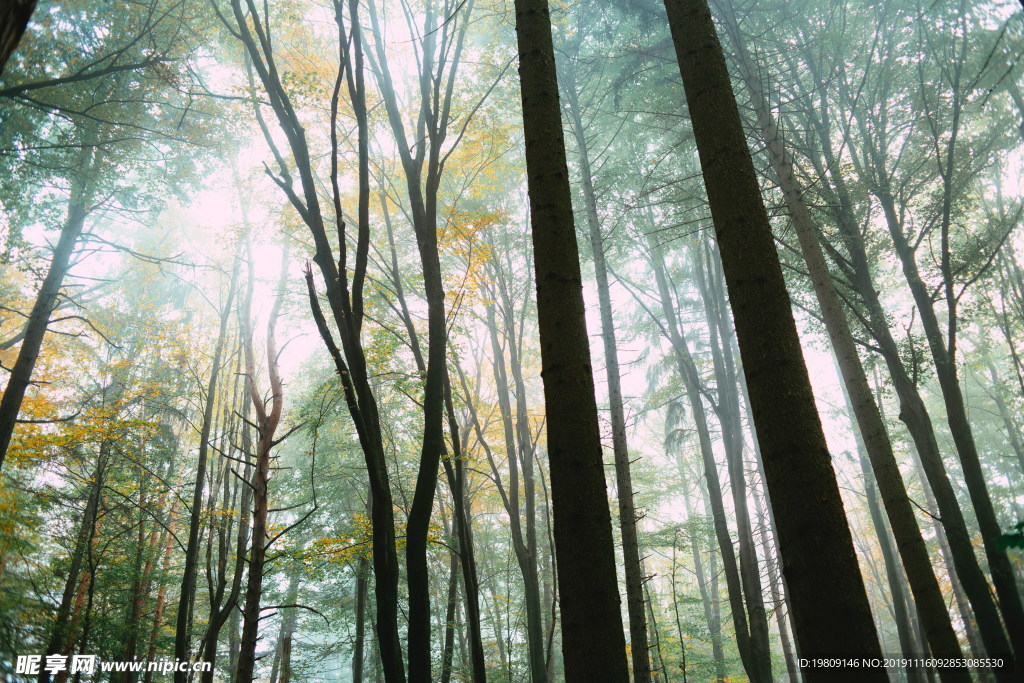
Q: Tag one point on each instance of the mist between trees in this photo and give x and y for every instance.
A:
(463, 340)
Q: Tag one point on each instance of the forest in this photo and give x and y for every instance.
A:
(511, 340)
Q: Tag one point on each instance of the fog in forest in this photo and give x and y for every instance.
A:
(515, 340)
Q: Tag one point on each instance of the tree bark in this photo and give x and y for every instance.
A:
(14, 18)
(593, 644)
(627, 508)
(815, 543)
(928, 598)
(46, 301)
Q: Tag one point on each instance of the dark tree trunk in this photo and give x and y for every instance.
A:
(913, 412)
(455, 469)
(593, 644)
(928, 597)
(448, 648)
(345, 297)
(423, 165)
(815, 543)
(14, 18)
(183, 630)
(222, 614)
(620, 448)
(60, 638)
(362, 582)
(39, 318)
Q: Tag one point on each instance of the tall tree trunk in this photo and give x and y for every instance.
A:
(756, 663)
(620, 448)
(14, 18)
(440, 55)
(913, 412)
(730, 420)
(344, 296)
(945, 369)
(774, 587)
(46, 301)
(593, 644)
(362, 582)
(943, 350)
(526, 449)
(60, 638)
(448, 648)
(161, 593)
(524, 550)
(144, 549)
(814, 539)
(708, 598)
(266, 426)
(455, 469)
(183, 630)
(223, 613)
(928, 597)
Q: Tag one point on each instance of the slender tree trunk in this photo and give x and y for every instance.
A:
(456, 472)
(913, 412)
(963, 436)
(525, 552)
(223, 613)
(711, 616)
(448, 649)
(161, 593)
(46, 301)
(927, 594)
(1013, 431)
(658, 660)
(620, 448)
(266, 426)
(526, 450)
(281, 669)
(774, 587)
(143, 564)
(362, 582)
(729, 417)
(60, 638)
(344, 297)
(183, 630)
(593, 644)
(814, 539)
(675, 609)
